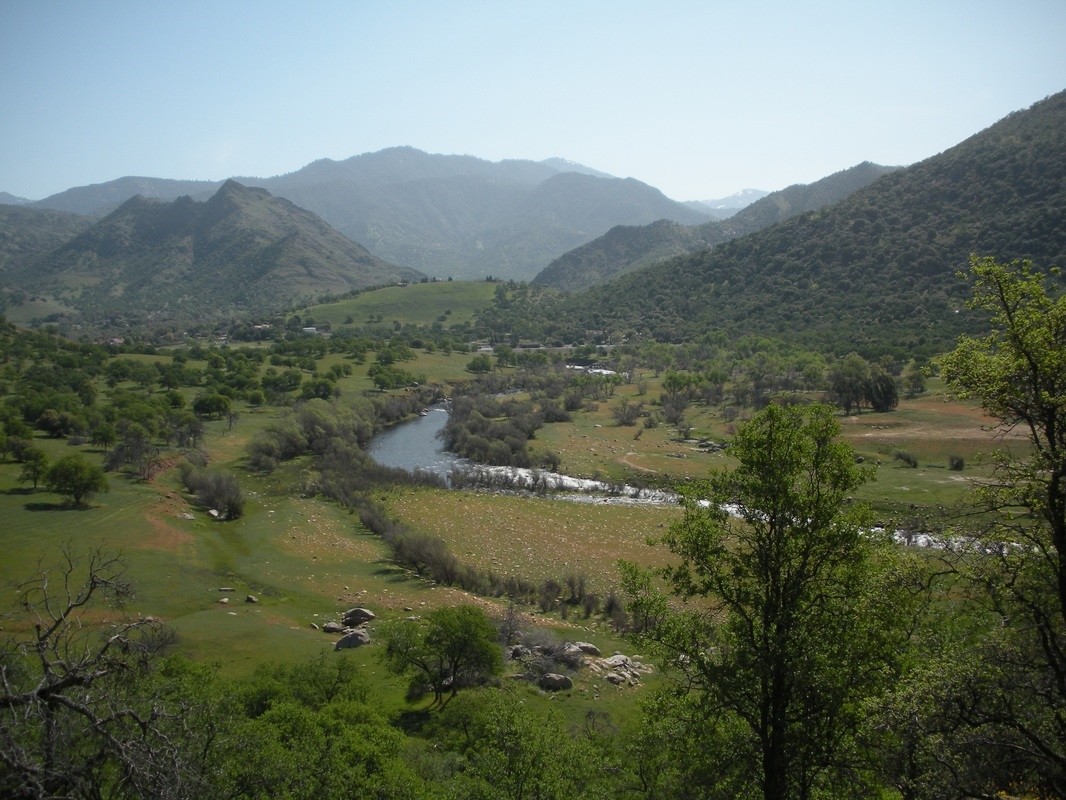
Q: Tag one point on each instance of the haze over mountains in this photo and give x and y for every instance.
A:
(725, 207)
(865, 254)
(447, 216)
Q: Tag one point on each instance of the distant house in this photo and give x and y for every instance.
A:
(311, 331)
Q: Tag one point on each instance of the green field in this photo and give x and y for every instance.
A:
(448, 302)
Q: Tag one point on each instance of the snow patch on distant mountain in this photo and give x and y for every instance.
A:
(741, 199)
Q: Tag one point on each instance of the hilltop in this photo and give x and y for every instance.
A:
(241, 249)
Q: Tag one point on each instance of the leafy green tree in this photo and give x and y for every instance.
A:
(103, 433)
(455, 647)
(505, 355)
(848, 380)
(211, 404)
(385, 377)
(319, 386)
(881, 392)
(34, 466)
(316, 735)
(74, 476)
(515, 750)
(1018, 374)
(793, 622)
(480, 364)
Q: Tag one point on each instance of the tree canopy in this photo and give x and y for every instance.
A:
(455, 647)
(73, 475)
(1015, 708)
(791, 622)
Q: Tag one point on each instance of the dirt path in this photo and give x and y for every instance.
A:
(626, 460)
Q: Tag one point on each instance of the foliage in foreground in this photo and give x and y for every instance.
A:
(795, 616)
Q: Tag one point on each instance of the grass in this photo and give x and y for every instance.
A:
(932, 427)
(449, 302)
(535, 537)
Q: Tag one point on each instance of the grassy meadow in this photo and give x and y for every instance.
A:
(445, 302)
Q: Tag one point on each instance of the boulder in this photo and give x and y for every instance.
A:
(620, 669)
(554, 682)
(354, 617)
(333, 627)
(588, 649)
(356, 638)
(618, 661)
(251, 599)
(519, 651)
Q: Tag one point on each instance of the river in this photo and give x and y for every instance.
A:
(414, 446)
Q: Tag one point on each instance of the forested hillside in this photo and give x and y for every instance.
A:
(628, 248)
(26, 231)
(875, 271)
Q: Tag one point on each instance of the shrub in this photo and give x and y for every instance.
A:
(214, 490)
(906, 458)
(957, 463)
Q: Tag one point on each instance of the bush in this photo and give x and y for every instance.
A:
(214, 490)
(906, 458)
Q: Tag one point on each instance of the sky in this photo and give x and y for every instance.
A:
(699, 99)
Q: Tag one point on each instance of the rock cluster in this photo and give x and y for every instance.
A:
(539, 660)
(619, 669)
(353, 627)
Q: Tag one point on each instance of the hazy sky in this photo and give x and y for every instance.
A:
(699, 99)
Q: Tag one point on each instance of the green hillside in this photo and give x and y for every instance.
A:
(445, 302)
(628, 248)
(241, 250)
(875, 272)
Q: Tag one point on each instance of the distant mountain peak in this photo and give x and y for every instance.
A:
(741, 199)
(446, 215)
(566, 165)
(240, 248)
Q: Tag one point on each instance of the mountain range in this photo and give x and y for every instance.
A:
(626, 248)
(861, 259)
(725, 207)
(241, 249)
(874, 272)
(445, 215)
